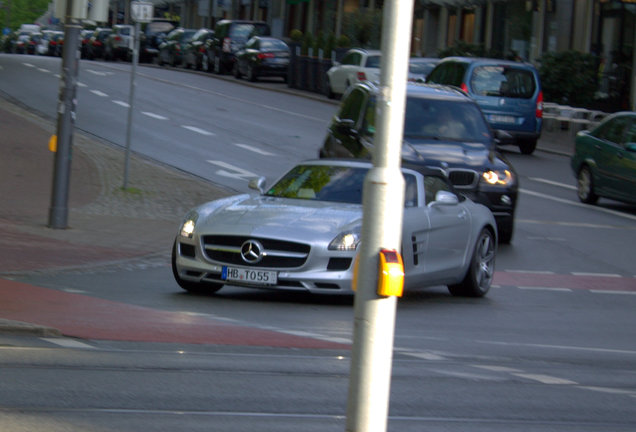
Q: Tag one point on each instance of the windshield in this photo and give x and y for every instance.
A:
(446, 120)
(322, 183)
(503, 81)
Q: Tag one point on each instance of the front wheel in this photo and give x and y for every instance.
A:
(527, 146)
(481, 271)
(193, 287)
(236, 71)
(585, 186)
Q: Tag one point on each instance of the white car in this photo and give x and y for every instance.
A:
(356, 65)
(302, 234)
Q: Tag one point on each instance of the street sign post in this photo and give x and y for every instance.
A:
(141, 12)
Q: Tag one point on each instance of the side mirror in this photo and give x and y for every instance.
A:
(258, 184)
(444, 198)
(346, 126)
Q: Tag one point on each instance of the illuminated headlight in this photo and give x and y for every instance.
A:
(345, 241)
(189, 223)
(499, 177)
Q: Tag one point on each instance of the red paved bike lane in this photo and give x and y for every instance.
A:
(86, 317)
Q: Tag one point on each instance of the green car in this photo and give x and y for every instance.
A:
(604, 160)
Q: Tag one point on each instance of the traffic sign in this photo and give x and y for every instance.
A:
(141, 11)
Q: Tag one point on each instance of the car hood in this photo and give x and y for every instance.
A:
(281, 217)
(452, 154)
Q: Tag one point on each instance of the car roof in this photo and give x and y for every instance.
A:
(486, 60)
(431, 91)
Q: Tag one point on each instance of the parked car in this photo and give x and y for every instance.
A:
(85, 37)
(171, 49)
(36, 45)
(152, 34)
(120, 43)
(356, 65)
(262, 56)
(56, 44)
(229, 37)
(420, 67)
(508, 92)
(302, 233)
(443, 128)
(97, 42)
(604, 160)
(194, 50)
(21, 43)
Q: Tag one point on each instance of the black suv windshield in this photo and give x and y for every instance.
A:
(444, 120)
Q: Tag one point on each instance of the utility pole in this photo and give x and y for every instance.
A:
(383, 206)
(58, 212)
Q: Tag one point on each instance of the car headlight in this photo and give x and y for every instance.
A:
(188, 225)
(498, 177)
(346, 241)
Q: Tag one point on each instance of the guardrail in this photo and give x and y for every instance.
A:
(570, 118)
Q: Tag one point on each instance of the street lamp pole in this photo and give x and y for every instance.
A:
(58, 212)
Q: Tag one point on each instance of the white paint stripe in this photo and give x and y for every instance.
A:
(545, 379)
(545, 289)
(80, 84)
(99, 93)
(609, 390)
(579, 204)
(553, 183)
(610, 275)
(28, 65)
(197, 130)
(255, 149)
(559, 347)
(571, 225)
(529, 271)
(234, 171)
(613, 292)
(153, 115)
(44, 70)
(68, 343)
(425, 356)
(496, 368)
(121, 103)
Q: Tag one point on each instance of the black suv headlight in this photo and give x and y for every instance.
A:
(498, 177)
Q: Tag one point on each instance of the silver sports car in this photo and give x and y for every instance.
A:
(302, 234)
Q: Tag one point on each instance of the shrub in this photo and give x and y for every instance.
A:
(296, 35)
(569, 77)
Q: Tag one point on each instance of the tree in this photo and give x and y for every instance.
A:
(14, 13)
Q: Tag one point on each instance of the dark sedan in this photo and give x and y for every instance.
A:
(260, 57)
(604, 160)
(443, 128)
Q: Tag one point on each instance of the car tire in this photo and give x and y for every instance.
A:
(585, 186)
(527, 146)
(505, 230)
(481, 270)
(236, 71)
(193, 287)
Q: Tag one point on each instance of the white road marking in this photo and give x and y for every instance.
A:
(530, 271)
(609, 390)
(232, 171)
(496, 368)
(28, 65)
(81, 84)
(553, 183)
(99, 93)
(573, 225)
(559, 347)
(68, 343)
(255, 149)
(545, 379)
(545, 289)
(122, 103)
(44, 70)
(99, 73)
(153, 115)
(197, 130)
(611, 275)
(578, 204)
(613, 292)
(425, 356)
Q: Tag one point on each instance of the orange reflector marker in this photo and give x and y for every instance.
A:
(53, 143)
(391, 274)
(354, 281)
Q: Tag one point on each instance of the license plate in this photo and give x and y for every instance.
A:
(501, 119)
(257, 277)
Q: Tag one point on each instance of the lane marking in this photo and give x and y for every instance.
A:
(28, 65)
(122, 103)
(81, 84)
(44, 70)
(579, 204)
(424, 355)
(254, 149)
(573, 225)
(559, 347)
(496, 368)
(545, 379)
(610, 275)
(197, 130)
(609, 390)
(545, 289)
(530, 271)
(68, 343)
(153, 115)
(553, 183)
(232, 171)
(98, 93)
(613, 292)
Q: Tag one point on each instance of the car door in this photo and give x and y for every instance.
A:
(449, 231)
(608, 152)
(623, 165)
(343, 139)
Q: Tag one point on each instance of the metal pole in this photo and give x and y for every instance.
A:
(131, 98)
(58, 212)
(383, 202)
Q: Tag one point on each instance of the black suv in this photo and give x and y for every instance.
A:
(229, 37)
(443, 128)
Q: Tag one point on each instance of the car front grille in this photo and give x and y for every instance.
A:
(463, 179)
(275, 253)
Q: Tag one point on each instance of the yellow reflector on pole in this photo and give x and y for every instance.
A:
(53, 143)
(391, 274)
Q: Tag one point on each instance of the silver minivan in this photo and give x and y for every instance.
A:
(508, 93)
